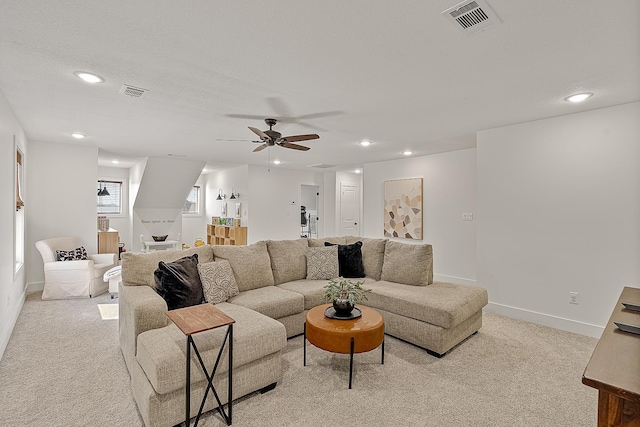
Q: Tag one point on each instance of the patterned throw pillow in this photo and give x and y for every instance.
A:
(322, 263)
(218, 282)
(73, 255)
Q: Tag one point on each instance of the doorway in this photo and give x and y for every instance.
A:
(309, 201)
(349, 209)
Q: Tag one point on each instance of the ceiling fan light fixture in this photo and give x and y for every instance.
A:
(578, 97)
(88, 77)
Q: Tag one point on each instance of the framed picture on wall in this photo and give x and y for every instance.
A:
(403, 210)
(238, 210)
(223, 209)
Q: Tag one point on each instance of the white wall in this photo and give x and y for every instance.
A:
(226, 180)
(160, 197)
(329, 215)
(275, 202)
(559, 211)
(195, 226)
(449, 190)
(61, 184)
(12, 284)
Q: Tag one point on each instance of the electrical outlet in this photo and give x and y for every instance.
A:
(467, 216)
(573, 298)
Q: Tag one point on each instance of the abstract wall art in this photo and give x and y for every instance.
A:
(403, 208)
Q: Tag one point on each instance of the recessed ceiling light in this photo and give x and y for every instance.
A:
(276, 162)
(89, 77)
(358, 171)
(365, 143)
(407, 152)
(77, 135)
(115, 162)
(579, 97)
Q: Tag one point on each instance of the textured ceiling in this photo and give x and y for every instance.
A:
(396, 73)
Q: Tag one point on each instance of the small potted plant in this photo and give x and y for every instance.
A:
(344, 294)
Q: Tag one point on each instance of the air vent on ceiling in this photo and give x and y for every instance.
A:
(472, 16)
(135, 92)
(322, 166)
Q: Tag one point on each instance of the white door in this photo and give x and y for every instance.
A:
(349, 210)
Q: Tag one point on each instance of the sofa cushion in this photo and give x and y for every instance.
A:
(322, 263)
(313, 290)
(372, 255)
(315, 243)
(271, 301)
(349, 260)
(161, 351)
(288, 259)
(407, 264)
(218, 282)
(441, 304)
(178, 282)
(138, 268)
(251, 264)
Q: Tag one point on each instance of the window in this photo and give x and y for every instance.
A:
(192, 204)
(19, 218)
(110, 197)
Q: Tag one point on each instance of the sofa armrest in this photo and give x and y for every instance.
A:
(103, 258)
(140, 309)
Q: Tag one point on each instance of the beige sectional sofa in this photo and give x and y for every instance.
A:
(274, 296)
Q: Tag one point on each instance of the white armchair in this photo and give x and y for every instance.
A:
(72, 279)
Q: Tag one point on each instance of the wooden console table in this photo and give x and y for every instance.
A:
(614, 368)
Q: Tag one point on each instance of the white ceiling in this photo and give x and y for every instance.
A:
(396, 73)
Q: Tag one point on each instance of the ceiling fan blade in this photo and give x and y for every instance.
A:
(245, 116)
(260, 148)
(259, 133)
(294, 146)
(320, 115)
(296, 138)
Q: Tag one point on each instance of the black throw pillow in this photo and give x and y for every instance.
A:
(349, 260)
(179, 283)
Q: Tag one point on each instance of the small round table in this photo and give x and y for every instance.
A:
(344, 336)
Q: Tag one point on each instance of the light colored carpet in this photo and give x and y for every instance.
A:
(109, 311)
(63, 367)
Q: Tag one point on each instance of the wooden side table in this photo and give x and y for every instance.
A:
(344, 336)
(200, 318)
(614, 368)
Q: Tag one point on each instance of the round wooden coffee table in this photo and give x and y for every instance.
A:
(344, 336)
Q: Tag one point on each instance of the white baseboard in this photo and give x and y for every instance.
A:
(546, 320)
(13, 318)
(453, 279)
(35, 286)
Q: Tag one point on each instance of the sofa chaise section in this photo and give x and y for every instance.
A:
(257, 364)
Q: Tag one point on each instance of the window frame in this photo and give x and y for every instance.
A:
(123, 196)
(19, 217)
(199, 212)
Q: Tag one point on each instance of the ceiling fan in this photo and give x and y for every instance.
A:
(270, 137)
